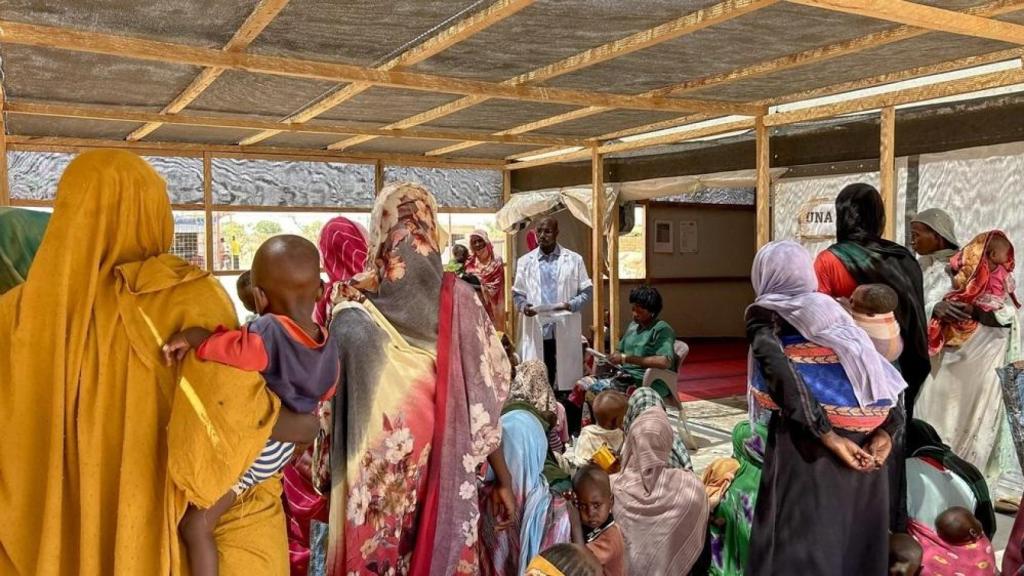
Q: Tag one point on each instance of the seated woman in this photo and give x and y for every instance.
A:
(529, 443)
(647, 343)
(662, 511)
(731, 520)
(832, 400)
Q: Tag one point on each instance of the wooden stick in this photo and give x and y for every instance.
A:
(508, 256)
(97, 43)
(207, 210)
(764, 184)
(5, 189)
(927, 17)
(613, 280)
(378, 177)
(449, 37)
(62, 144)
(698, 20)
(121, 114)
(887, 169)
(597, 242)
(899, 97)
(260, 18)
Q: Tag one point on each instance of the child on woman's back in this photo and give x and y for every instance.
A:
(286, 346)
(873, 308)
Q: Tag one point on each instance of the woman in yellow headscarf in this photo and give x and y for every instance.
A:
(102, 445)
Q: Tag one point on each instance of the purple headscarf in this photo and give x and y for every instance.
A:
(784, 282)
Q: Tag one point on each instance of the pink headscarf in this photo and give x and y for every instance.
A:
(343, 251)
(648, 489)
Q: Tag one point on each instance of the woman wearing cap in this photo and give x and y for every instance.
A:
(933, 238)
(962, 399)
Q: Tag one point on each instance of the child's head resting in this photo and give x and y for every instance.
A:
(958, 526)
(999, 250)
(460, 253)
(244, 289)
(874, 299)
(905, 555)
(610, 409)
(286, 276)
(594, 497)
(569, 559)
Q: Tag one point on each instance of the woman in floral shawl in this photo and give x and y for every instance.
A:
(424, 379)
(491, 271)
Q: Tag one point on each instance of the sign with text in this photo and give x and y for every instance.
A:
(817, 219)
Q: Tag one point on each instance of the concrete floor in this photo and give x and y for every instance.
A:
(711, 424)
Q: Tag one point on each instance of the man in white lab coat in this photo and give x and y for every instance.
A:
(551, 287)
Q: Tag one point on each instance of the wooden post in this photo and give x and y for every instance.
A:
(208, 208)
(764, 185)
(5, 191)
(597, 241)
(613, 280)
(378, 177)
(887, 170)
(509, 256)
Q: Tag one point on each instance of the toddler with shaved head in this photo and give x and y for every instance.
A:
(286, 346)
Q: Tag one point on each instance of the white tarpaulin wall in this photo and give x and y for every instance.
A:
(578, 199)
(795, 200)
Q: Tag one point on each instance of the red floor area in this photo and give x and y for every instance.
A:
(714, 368)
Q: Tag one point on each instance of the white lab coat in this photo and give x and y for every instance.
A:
(572, 279)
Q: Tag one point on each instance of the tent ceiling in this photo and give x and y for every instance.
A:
(613, 48)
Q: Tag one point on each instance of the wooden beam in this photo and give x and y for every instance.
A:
(830, 51)
(537, 125)
(261, 16)
(887, 169)
(447, 38)
(121, 114)
(764, 185)
(897, 76)
(612, 148)
(444, 151)
(692, 22)
(48, 143)
(378, 177)
(899, 97)
(597, 242)
(126, 47)
(923, 16)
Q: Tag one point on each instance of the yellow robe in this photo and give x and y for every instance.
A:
(86, 402)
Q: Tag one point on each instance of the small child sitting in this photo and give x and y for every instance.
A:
(243, 287)
(609, 411)
(905, 555)
(982, 279)
(873, 308)
(958, 545)
(592, 523)
(285, 346)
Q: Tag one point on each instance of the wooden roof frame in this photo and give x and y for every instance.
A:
(916, 20)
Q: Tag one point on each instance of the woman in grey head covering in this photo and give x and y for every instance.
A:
(933, 238)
